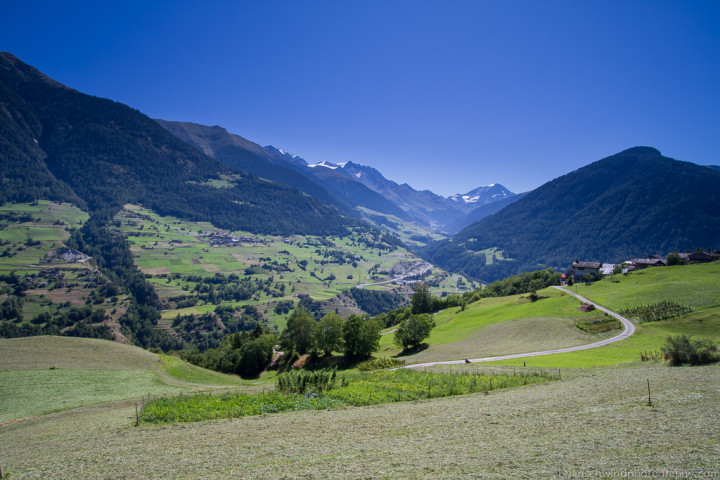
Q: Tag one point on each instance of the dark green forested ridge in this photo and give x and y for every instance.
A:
(60, 144)
(631, 204)
(250, 157)
(333, 188)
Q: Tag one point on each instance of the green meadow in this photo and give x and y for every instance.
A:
(697, 286)
(504, 325)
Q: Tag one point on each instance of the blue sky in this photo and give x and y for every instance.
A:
(445, 95)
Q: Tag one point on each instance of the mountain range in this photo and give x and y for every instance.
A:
(345, 186)
(60, 144)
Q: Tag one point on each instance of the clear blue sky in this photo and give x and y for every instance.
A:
(444, 95)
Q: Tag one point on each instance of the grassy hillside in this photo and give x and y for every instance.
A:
(39, 375)
(594, 423)
(503, 325)
(183, 260)
(508, 325)
(23, 225)
(42, 292)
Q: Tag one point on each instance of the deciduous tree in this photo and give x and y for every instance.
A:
(329, 333)
(361, 335)
(299, 333)
(413, 331)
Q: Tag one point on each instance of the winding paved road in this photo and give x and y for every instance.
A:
(629, 330)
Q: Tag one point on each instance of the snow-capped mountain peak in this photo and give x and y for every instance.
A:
(325, 164)
(481, 195)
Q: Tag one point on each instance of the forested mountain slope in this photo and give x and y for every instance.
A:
(634, 203)
(250, 157)
(58, 143)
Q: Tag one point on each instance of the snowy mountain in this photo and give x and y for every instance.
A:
(423, 206)
(326, 164)
(480, 196)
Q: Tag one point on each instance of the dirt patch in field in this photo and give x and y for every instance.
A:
(586, 307)
(156, 270)
(210, 267)
(249, 260)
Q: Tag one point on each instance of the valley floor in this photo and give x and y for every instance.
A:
(592, 424)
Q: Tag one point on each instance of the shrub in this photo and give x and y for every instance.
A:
(674, 259)
(682, 349)
(303, 381)
(250, 361)
(379, 364)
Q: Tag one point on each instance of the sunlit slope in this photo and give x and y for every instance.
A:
(509, 325)
(505, 325)
(697, 286)
(44, 374)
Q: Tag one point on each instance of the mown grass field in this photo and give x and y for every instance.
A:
(39, 375)
(596, 424)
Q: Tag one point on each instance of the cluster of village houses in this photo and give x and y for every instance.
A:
(227, 240)
(597, 270)
(89, 279)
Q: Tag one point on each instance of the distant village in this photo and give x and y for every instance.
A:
(224, 239)
(589, 271)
